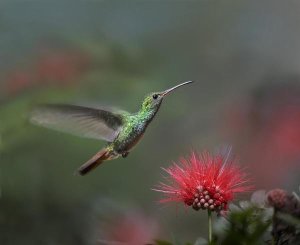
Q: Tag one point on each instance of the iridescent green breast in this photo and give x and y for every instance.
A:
(132, 131)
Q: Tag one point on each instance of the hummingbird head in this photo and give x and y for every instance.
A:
(154, 100)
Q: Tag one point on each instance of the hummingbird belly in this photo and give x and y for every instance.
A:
(127, 140)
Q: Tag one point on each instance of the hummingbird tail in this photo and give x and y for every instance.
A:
(96, 160)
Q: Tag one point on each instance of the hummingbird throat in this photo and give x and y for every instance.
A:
(147, 115)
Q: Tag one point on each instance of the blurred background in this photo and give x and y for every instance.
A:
(244, 57)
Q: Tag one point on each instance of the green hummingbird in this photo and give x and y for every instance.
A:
(120, 129)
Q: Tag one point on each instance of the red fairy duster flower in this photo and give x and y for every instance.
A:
(204, 182)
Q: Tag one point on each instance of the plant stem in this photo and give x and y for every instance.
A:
(209, 227)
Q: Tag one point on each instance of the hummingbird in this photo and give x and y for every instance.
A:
(120, 129)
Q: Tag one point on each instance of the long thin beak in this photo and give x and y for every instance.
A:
(175, 87)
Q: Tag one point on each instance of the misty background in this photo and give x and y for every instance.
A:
(244, 57)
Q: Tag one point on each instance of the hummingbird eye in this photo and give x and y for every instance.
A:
(155, 96)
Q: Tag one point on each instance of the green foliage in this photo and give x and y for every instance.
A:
(244, 226)
(252, 224)
(291, 233)
(291, 220)
(285, 221)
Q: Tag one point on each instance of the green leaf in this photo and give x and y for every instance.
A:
(294, 221)
(244, 226)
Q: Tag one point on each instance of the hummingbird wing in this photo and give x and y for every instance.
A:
(79, 120)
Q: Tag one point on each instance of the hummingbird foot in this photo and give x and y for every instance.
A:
(125, 154)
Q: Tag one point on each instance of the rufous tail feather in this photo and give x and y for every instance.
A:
(95, 161)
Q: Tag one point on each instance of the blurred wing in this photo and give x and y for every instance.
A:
(79, 120)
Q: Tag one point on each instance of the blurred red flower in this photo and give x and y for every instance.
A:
(277, 198)
(265, 128)
(132, 228)
(17, 81)
(59, 68)
(204, 182)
